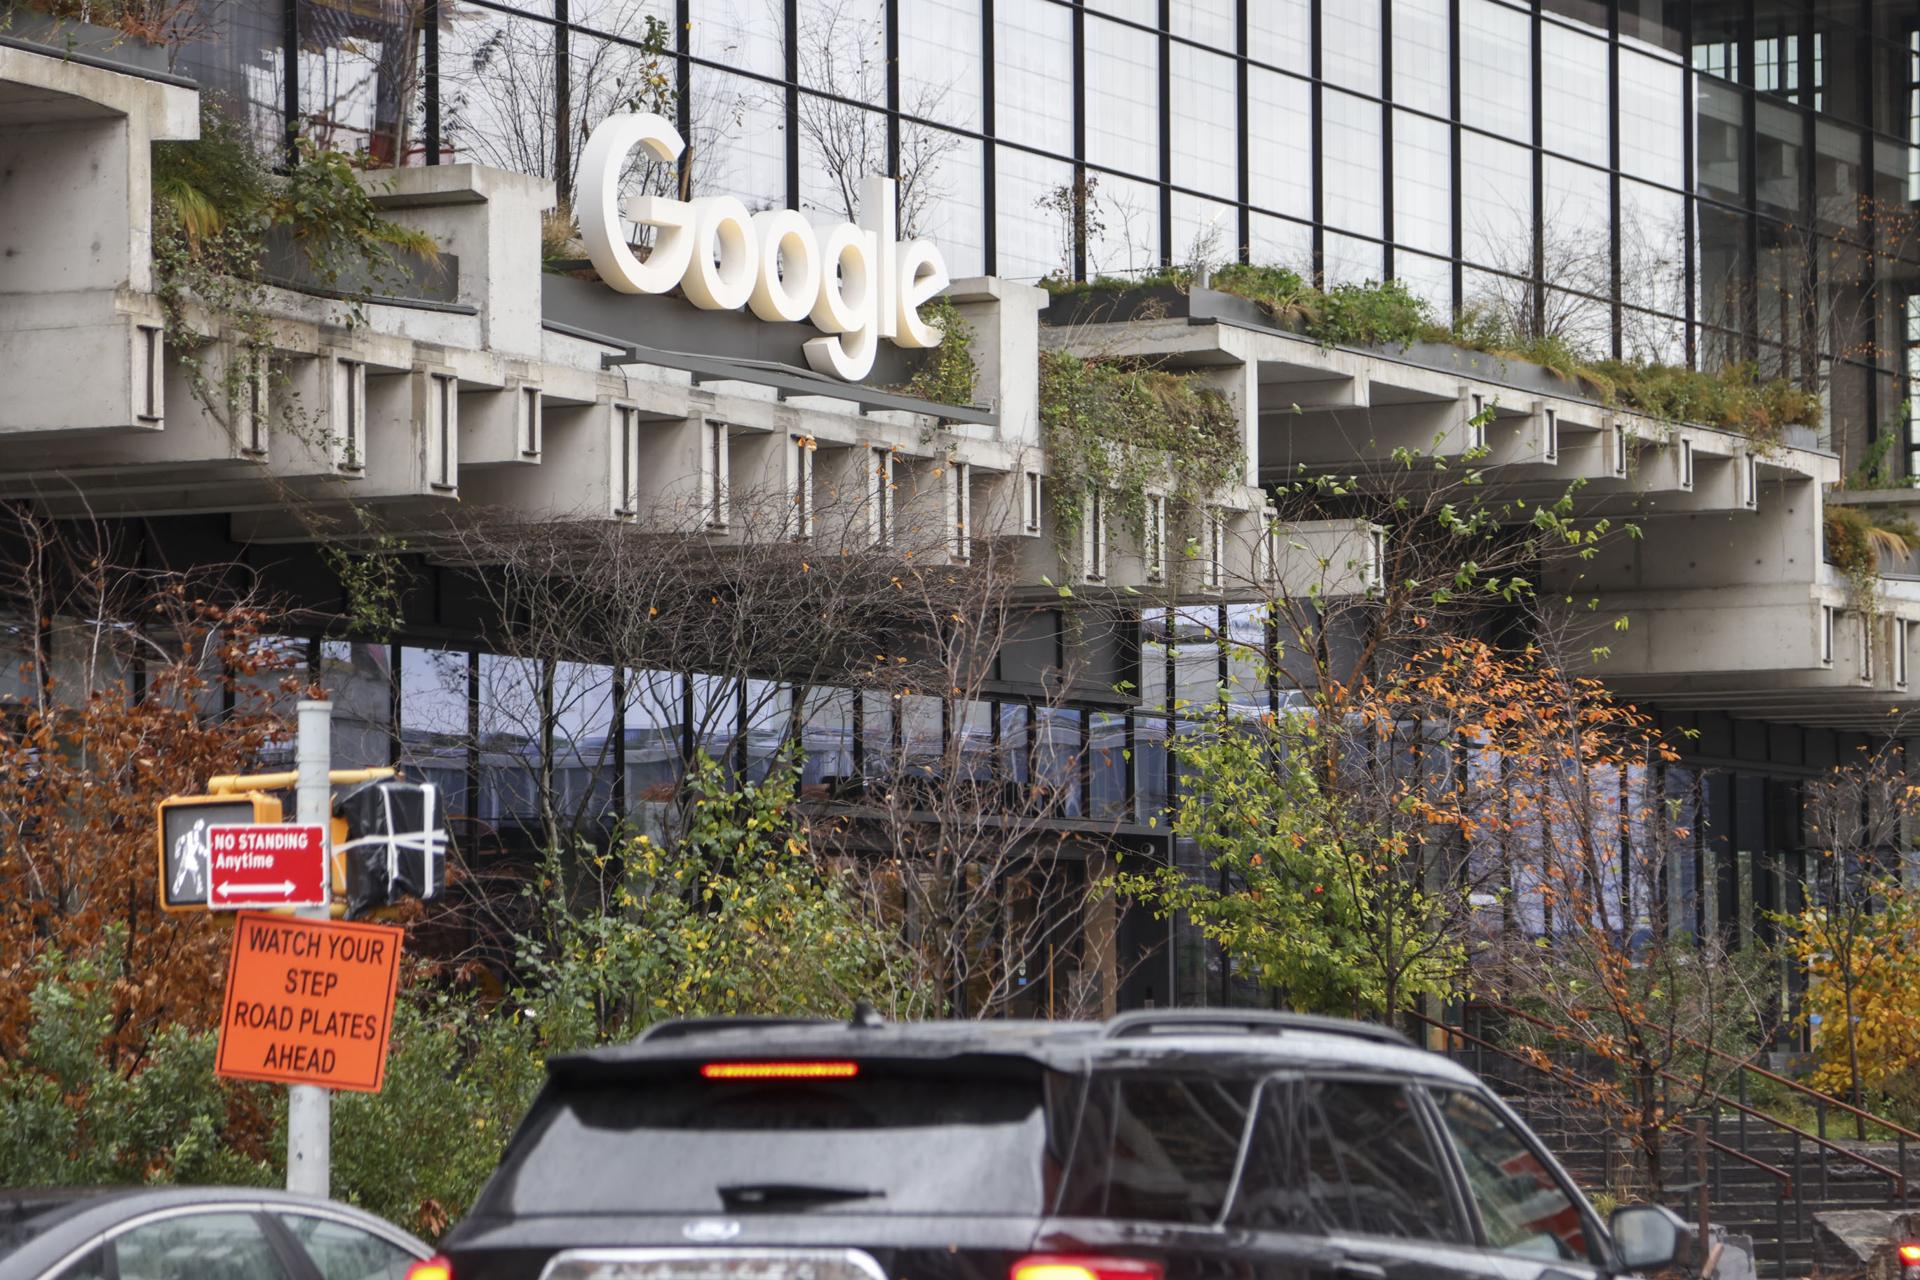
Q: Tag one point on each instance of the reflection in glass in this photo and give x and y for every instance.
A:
(842, 46)
(651, 725)
(1056, 758)
(512, 736)
(1652, 118)
(1035, 235)
(1107, 765)
(1128, 226)
(358, 679)
(359, 77)
(826, 740)
(433, 722)
(497, 89)
(582, 744)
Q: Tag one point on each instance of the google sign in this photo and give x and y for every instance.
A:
(855, 282)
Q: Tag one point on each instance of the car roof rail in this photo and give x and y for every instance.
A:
(1148, 1022)
(675, 1028)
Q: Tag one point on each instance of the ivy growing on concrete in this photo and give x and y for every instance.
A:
(1129, 430)
(948, 373)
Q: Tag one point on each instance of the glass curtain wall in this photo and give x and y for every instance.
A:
(1723, 181)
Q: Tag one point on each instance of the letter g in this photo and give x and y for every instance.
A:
(601, 166)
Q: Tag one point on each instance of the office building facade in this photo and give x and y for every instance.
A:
(1691, 184)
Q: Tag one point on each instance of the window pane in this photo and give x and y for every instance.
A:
(1107, 766)
(1496, 57)
(843, 48)
(1350, 260)
(1573, 104)
(1150, 769)
(1350, 44)
(510, 738)
(1780, 159)
(1340, 1155)
(341, 1252)
(1578, 253)
(1422, 183)
(940, 61)
(433, 722)
(359, 79)
(1123, 75)
(1205, 129)
(943, 195)
(358, 679)
(1125, 235)
(1652, 115)
(1280, 148)
(1204, 231)
(1280, 241)
(1056, 757)
(1653, 228)
(1722, 156)
(651, 726)
(1350, 150)
(1035, 230)
(1525, 1209)
(1428, 278)
(1156, 1150)
(1211, 22)
(1278, 34)
(1496, 206)
(744, 34)
(582, 742)
(1420, 55)
(1033, 62)
(198, 1246)
(497, 90)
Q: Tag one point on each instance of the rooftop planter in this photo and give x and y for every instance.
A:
(67, 37)
(1385, 320)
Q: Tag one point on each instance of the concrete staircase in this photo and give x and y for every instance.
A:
(1777, 1214)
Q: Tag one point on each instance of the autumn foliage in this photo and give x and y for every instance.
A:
(127, 687)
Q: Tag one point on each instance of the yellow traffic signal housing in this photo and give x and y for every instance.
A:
(181, 824)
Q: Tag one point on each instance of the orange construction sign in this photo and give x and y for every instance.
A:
(309, 1002)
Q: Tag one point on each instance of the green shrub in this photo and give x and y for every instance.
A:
(71, 1114)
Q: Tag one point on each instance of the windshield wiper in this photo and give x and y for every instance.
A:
(747, 1195)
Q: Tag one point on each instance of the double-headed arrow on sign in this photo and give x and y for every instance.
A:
(266, 865)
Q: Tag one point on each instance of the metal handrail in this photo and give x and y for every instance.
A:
(1565, 1074)
(1897, 1177)
(1826, 1099)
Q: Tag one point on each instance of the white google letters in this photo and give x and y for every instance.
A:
(856, 283)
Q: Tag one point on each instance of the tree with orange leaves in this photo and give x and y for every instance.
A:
(128, 685)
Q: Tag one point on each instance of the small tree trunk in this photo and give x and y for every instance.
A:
(1853, 1062)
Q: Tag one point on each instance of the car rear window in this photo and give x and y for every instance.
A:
(923, 1143)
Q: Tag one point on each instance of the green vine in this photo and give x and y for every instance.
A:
(1127, 430)
(947, 374)
(1856, 540)
(372, 582)
(216, 204)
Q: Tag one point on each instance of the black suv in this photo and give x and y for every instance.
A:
(1191, 1145)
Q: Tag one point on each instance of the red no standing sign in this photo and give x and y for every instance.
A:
(266, 865)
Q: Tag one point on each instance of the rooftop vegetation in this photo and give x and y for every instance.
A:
(1735, 398)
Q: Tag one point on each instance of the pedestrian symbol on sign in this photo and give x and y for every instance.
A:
(190, 861)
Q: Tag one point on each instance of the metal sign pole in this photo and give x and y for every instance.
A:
(310, 1107)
